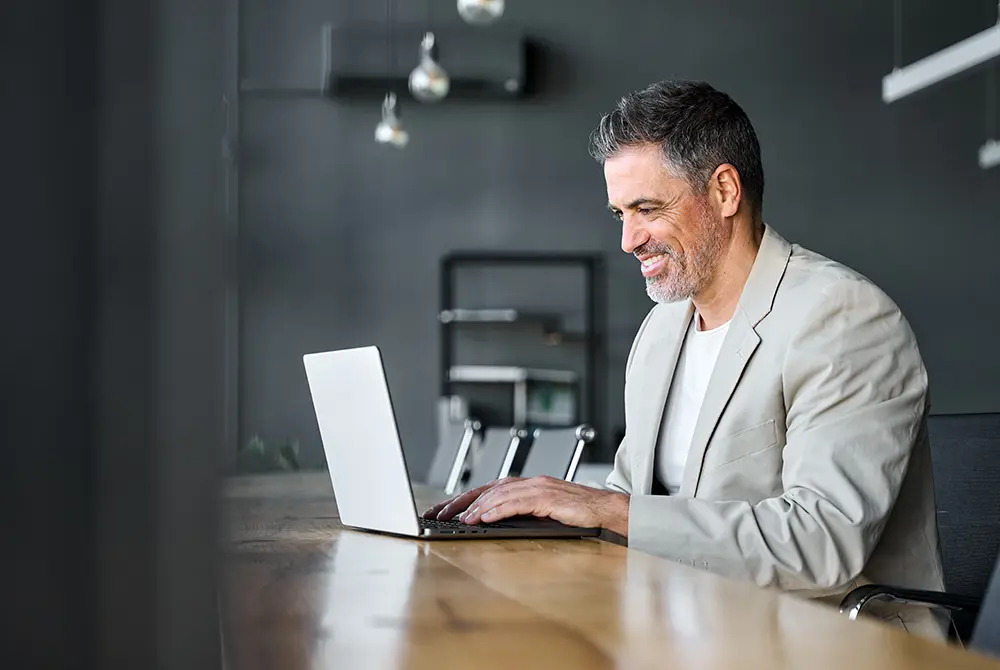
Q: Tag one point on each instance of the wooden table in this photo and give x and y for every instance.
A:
(298, 591)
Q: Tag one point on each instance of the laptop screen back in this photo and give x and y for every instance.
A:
(360, 439)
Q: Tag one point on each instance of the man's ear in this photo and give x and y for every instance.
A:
(726, 190)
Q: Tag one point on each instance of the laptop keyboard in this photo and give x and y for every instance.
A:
(451, 524)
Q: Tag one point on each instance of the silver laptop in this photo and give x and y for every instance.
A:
(365, 458)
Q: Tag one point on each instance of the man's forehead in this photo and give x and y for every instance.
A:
(638, 171)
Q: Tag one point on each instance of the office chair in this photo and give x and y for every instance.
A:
(449, 459)
(556, 451)
(965, 455)
(594, 474)
(986, 634)
(495, 456)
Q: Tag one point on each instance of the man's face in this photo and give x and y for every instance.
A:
(673, 232)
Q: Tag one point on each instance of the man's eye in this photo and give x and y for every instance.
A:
(617, 215)
(645, 211)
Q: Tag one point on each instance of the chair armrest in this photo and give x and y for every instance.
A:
(855, 601)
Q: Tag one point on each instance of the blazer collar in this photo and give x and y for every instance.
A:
(768, 268)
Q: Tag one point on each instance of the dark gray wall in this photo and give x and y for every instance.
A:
(188, 293)
(48, 69)
(160, 328)
(111, 288)
(340, 238)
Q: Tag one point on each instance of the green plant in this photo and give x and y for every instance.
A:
(256, 456)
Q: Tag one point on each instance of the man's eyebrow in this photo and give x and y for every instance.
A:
(642, 200)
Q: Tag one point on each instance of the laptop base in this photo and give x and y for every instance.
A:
(519, 527)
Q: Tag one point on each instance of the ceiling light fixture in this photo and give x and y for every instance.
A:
(480, 12)
(390, 130)
(428, 81)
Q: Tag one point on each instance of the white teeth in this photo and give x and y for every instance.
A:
(650, 261)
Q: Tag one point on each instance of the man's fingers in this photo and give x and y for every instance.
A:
(499, 510)
(432, 512)
(457, 504)
(503, 491)
(540, 497)
(461, 503)
(447, 509)
(523, 490)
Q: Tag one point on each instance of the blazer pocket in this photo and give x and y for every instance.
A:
(726, 449)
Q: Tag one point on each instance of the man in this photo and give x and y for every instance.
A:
(775, 400)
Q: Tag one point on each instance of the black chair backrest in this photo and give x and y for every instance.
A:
(446, 469)
(965, 450)
(986, 636)
(496, 454)
(556, 451)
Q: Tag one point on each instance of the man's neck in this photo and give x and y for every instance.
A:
(717, 303)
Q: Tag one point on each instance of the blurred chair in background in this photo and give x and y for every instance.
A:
(556, 452)
(593, 474)
(448, 466)
(495, 456)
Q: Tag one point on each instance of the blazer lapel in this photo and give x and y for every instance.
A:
(658, 371)
(741, 342)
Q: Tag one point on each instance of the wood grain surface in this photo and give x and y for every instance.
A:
(299, 591)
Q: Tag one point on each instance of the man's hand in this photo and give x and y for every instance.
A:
(566, 502)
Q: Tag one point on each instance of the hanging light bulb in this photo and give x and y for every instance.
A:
(480, 12)
(428, 81)
(390, 130)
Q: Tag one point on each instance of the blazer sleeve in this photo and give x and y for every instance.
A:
(855, 389)
(620, 479)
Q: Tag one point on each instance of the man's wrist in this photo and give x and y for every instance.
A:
(615, 513)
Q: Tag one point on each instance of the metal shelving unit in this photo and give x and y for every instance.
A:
(452, 316)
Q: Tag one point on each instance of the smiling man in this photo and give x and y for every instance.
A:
(775, 400)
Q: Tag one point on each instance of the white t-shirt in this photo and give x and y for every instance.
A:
(694, 368)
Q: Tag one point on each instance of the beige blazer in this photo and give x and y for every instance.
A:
(809, 469)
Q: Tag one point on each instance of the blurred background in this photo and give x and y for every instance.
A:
(341, 241)
(195, 195)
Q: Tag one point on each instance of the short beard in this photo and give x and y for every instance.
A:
(687, 273)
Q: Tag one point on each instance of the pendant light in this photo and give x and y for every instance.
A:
(480, 12)
(428, 81)
(389, 130)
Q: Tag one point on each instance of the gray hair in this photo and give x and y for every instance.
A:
(696, 127)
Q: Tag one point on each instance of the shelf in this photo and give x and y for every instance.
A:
(549, 323)
(485, 316)
(540, 396)
(490, 64)
(507, 374)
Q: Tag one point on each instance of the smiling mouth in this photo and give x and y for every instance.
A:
(654, 265)
(653, 260)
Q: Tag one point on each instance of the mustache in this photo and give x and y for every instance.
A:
(652, 249)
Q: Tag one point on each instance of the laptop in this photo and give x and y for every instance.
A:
(365, 458)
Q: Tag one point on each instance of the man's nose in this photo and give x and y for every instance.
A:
(633, 236)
